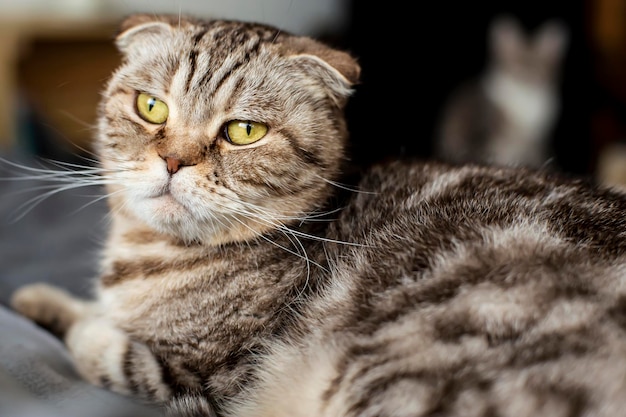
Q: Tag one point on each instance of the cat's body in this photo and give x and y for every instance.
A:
(507, 117)
(235, 279)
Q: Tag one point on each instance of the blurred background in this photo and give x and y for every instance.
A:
(56, 56)
(414, 61)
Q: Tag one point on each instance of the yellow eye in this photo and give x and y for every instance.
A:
(244, 132)
(151, 109)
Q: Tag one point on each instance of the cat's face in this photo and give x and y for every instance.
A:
(217, 131)
(533, 59)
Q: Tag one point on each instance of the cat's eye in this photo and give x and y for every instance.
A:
(151, 109)
(244, 132)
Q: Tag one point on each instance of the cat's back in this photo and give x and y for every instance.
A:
(489, 291)
(411, 220)
(438, 201)
(479, 225)
(461, 200)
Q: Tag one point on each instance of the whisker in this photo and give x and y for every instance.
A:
(265, 237)
(312, 216)
(295, 253)
(54, 177)
(69, 165)
(345, 186)
(308, 268)
(30, 204)
(51, 187)
(94, 201)
(328, 240)
(47, 174)
(274, 221)
(77, 120)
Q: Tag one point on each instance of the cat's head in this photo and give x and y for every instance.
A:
(532, 58)
(216, 131)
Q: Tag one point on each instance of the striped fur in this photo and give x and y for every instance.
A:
(244, 286)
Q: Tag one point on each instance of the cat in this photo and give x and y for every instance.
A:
(507, 117)
(241, 277)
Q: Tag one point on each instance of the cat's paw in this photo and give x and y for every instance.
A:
(106, 356)
(189, 406)
(48, 306)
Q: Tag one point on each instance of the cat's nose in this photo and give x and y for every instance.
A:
(173, 164)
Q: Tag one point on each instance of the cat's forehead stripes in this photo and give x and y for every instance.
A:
(219, 49)
(213, 69)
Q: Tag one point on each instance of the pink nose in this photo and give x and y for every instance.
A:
(173, 164)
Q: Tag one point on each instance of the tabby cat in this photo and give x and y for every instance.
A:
(240, 278)
(508, 115)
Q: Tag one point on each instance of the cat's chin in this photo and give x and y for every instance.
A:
(167, 207)
(167, 215)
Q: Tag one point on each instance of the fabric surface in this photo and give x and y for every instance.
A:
(56, 242)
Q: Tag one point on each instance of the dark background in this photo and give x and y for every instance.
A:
(414, 57)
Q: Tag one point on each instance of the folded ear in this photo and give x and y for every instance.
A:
(337, 69)
(144, 27)
(507, 37)
(551, 40)
(339, 61)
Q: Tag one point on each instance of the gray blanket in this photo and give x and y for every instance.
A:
(55, 242)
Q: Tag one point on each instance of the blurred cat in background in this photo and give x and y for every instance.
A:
(506, 116)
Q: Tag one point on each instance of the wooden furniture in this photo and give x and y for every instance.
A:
(59, 67)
